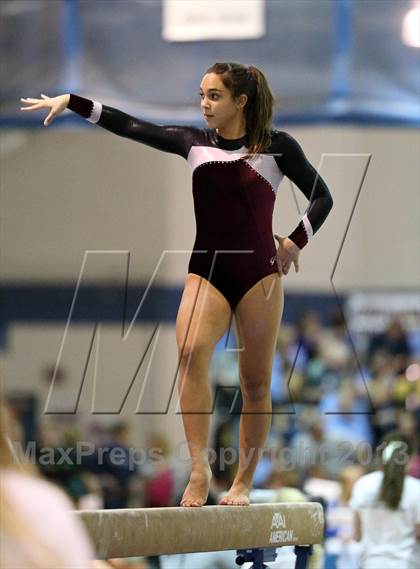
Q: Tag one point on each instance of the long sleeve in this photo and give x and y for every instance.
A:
(174, 139)
(294, 164)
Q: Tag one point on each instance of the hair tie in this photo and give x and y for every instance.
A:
(389, 450)
(250, 70)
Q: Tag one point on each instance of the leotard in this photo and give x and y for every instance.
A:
(233, 198)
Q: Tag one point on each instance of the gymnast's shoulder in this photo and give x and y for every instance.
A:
(283, 142)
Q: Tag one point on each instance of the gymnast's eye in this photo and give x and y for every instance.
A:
(213, 96)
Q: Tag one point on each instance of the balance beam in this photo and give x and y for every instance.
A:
(165, 531)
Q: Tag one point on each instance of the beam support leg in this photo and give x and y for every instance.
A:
(302, 556)
(256, 556)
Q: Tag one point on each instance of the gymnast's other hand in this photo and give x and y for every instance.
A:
(287, 253)
(56, 105)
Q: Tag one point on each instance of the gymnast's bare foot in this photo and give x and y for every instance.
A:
(197, 490)
(238, 495)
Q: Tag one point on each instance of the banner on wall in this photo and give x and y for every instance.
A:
(189, 20)
(370, 312)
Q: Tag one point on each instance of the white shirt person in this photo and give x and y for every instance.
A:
(389, 537)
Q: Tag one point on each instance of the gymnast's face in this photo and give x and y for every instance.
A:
(217, 104)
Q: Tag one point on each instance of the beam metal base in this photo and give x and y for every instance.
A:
(260, 555)
(257, 556)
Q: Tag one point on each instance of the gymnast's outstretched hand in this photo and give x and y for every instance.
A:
(56, 105)
(287, 253)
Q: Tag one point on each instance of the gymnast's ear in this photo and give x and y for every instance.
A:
(241, 101)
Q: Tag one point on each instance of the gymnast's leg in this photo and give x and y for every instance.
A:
(203, 317)
(257, 316)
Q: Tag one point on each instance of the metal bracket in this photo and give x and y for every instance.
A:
(256, 556)
(302, 556)
(259, 555)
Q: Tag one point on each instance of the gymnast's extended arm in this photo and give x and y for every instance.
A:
(293, 163)
(172, 138)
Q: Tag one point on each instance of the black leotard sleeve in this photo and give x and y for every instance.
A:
(293, 163)
(175, 139)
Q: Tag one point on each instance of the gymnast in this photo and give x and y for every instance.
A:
(237, 164)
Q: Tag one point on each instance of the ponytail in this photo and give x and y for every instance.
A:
(258, 111)
(394, 458)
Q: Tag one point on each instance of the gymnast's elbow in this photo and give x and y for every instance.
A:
(329, 202)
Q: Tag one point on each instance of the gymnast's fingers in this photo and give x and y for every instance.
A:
(33, 104)
(280, 263)
(49, 118)
(30, 100)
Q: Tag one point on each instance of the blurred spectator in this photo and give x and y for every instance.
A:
(308, 334)
(345, 417)
(224, 376)
(312, 366)
(407, 425)
(393, 341)
(68, 472)
(118, 468)
(306, 444)
(387, 509)
(381, 390)
(267, 463)
(316, 378)
(334, 345)
(60, 540)
(348, 477)
(340, 520)
(317, 455)
(289, 361)
(413, 468)
(160, 482)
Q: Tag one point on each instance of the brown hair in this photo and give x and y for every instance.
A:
(249, 80)
(394, 468)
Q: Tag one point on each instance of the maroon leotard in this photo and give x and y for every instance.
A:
(233, 197)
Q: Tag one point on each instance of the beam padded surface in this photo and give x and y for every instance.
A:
(158, 531)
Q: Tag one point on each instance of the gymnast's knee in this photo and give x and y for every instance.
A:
(193, 357)
(256, 389)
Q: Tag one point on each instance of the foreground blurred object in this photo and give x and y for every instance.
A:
(411, 26)
(37, 530)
